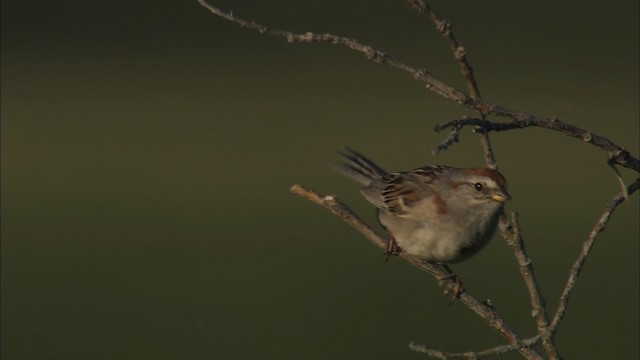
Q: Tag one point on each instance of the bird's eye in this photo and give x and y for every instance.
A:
(477, 186)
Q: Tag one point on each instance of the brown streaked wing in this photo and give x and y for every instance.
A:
(401, 193)
(427, 173)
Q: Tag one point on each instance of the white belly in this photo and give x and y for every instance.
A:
(437, 241)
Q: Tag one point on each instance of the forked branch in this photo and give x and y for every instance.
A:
(600, 225)
(459, 53)
(617, 154)
(494, 351)
(448, 280)
(510, 230)
(511, 233)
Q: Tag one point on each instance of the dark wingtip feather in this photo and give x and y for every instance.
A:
(358, 167)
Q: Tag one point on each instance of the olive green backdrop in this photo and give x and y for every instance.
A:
(148, 149)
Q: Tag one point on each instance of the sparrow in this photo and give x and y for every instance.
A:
(437, 213)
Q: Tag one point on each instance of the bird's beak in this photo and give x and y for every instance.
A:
(501, 196)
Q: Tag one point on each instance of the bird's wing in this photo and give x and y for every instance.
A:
(397, 193)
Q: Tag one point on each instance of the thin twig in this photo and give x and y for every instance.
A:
(586, 248)
(497, 350)
(339, 209)
(617, 154)
(511, 233)
(434, 84)
(623, 187)
(489, 158)
(482, 309)
(452, 138)
(460, 54)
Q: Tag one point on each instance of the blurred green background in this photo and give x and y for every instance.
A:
(148, 149)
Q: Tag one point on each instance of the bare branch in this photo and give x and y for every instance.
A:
(481, 308)
(459, 53)
(487, 150)
(450, 140)
(339, 209)
(483, 124)
(497, 350)
(617, 154)
(513, 236)
(600, 225)
(434, 84)
(623, 186)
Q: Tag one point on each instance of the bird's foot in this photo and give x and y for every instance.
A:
(392, 247)
(451, 283)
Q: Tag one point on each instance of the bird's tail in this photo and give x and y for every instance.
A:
(358, 167)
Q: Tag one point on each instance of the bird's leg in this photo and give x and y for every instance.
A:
(392, 247)
(456, 283)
